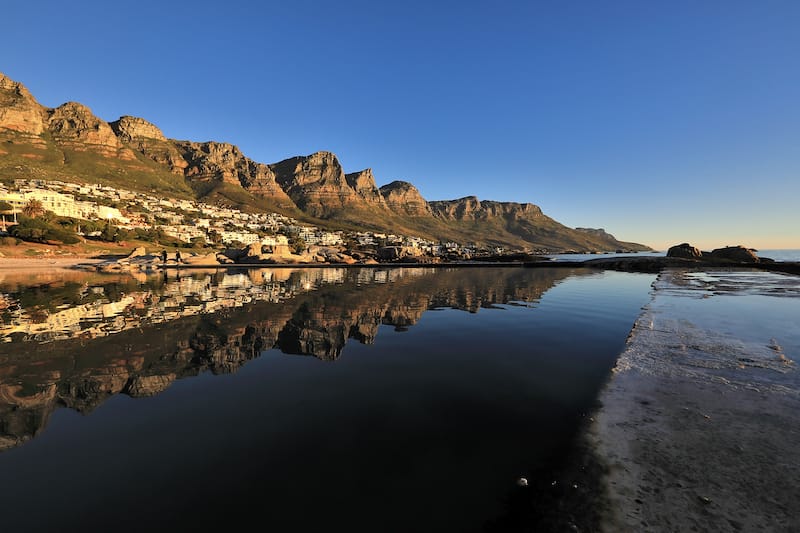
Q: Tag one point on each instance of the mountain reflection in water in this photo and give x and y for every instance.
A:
(77, 340)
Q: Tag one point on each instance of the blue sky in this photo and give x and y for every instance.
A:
(661, 122)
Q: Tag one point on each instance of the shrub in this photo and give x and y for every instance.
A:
(39, 230)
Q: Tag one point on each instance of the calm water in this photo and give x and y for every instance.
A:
(777, 255)
(344, 399)
(781, 255)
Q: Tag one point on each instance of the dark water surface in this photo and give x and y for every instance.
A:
(424, 395)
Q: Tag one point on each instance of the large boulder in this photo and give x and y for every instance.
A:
(395, 253)
(684, 250)
(739, 254)
(206, 259)
(137, 252)
(254, 250)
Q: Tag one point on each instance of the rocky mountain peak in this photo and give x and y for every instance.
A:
(148, 140)
(405, 199)
(223, 162)
(19, 110)
(130, 129)
(363, 182)
(316, 183)
(212, 161)
(74, 126)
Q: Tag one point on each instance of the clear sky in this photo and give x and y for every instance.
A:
(661, 122)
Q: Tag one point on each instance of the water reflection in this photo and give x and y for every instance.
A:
(75, 340)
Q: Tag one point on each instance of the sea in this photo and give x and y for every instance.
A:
(357, 399)
(790, 255)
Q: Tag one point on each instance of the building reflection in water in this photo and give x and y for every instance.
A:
(74, 339)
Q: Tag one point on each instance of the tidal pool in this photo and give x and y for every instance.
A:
(344, 399)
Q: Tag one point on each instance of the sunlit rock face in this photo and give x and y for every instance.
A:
(224, 162)
(75, 127)
(19, 110)
(363, 183)
(316, 183)
(470, 208)
(149, 140)
(404, 199)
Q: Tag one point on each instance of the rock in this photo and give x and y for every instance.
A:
(735, 253)
(205, 259)
(363, 183)
(146, 138)
(395, 253)
(253, 250)
(211, 162)
(130, 129)
(223, 259)
(404, 199)
(470, 208)
(19, 110)
(75, 127)
(317, 184)
(137, 252)
(685, 251)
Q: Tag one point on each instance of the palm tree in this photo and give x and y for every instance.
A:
(33, 208)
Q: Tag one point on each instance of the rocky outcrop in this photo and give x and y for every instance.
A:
(316, 183)
(363, 183)
(19, 110)
(148, 140)
(73, 126)
(398, 253)
(131, 129)
(470, 208)
(404, 199)
(740, 254)
(213, 161)
(225, 163)
(684, 250)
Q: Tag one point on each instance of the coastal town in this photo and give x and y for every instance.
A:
(194, 224)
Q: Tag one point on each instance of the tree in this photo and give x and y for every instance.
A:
(297, 244)
(33, 208)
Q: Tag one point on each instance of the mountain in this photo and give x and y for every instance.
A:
(70, 143)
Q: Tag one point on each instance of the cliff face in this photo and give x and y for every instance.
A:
(19, 110)
(404, 199)
(225, 163)
(147, 139)
(363, 183)
(470, 208)
(73, 126)
(316, 183)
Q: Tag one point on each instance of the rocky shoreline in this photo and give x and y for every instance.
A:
(698, 425)
(140, 261)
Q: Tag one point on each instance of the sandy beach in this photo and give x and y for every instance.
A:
(27, 263)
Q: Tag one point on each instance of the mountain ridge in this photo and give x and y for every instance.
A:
(70, 143)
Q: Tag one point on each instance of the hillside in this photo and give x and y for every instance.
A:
(70, 143)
